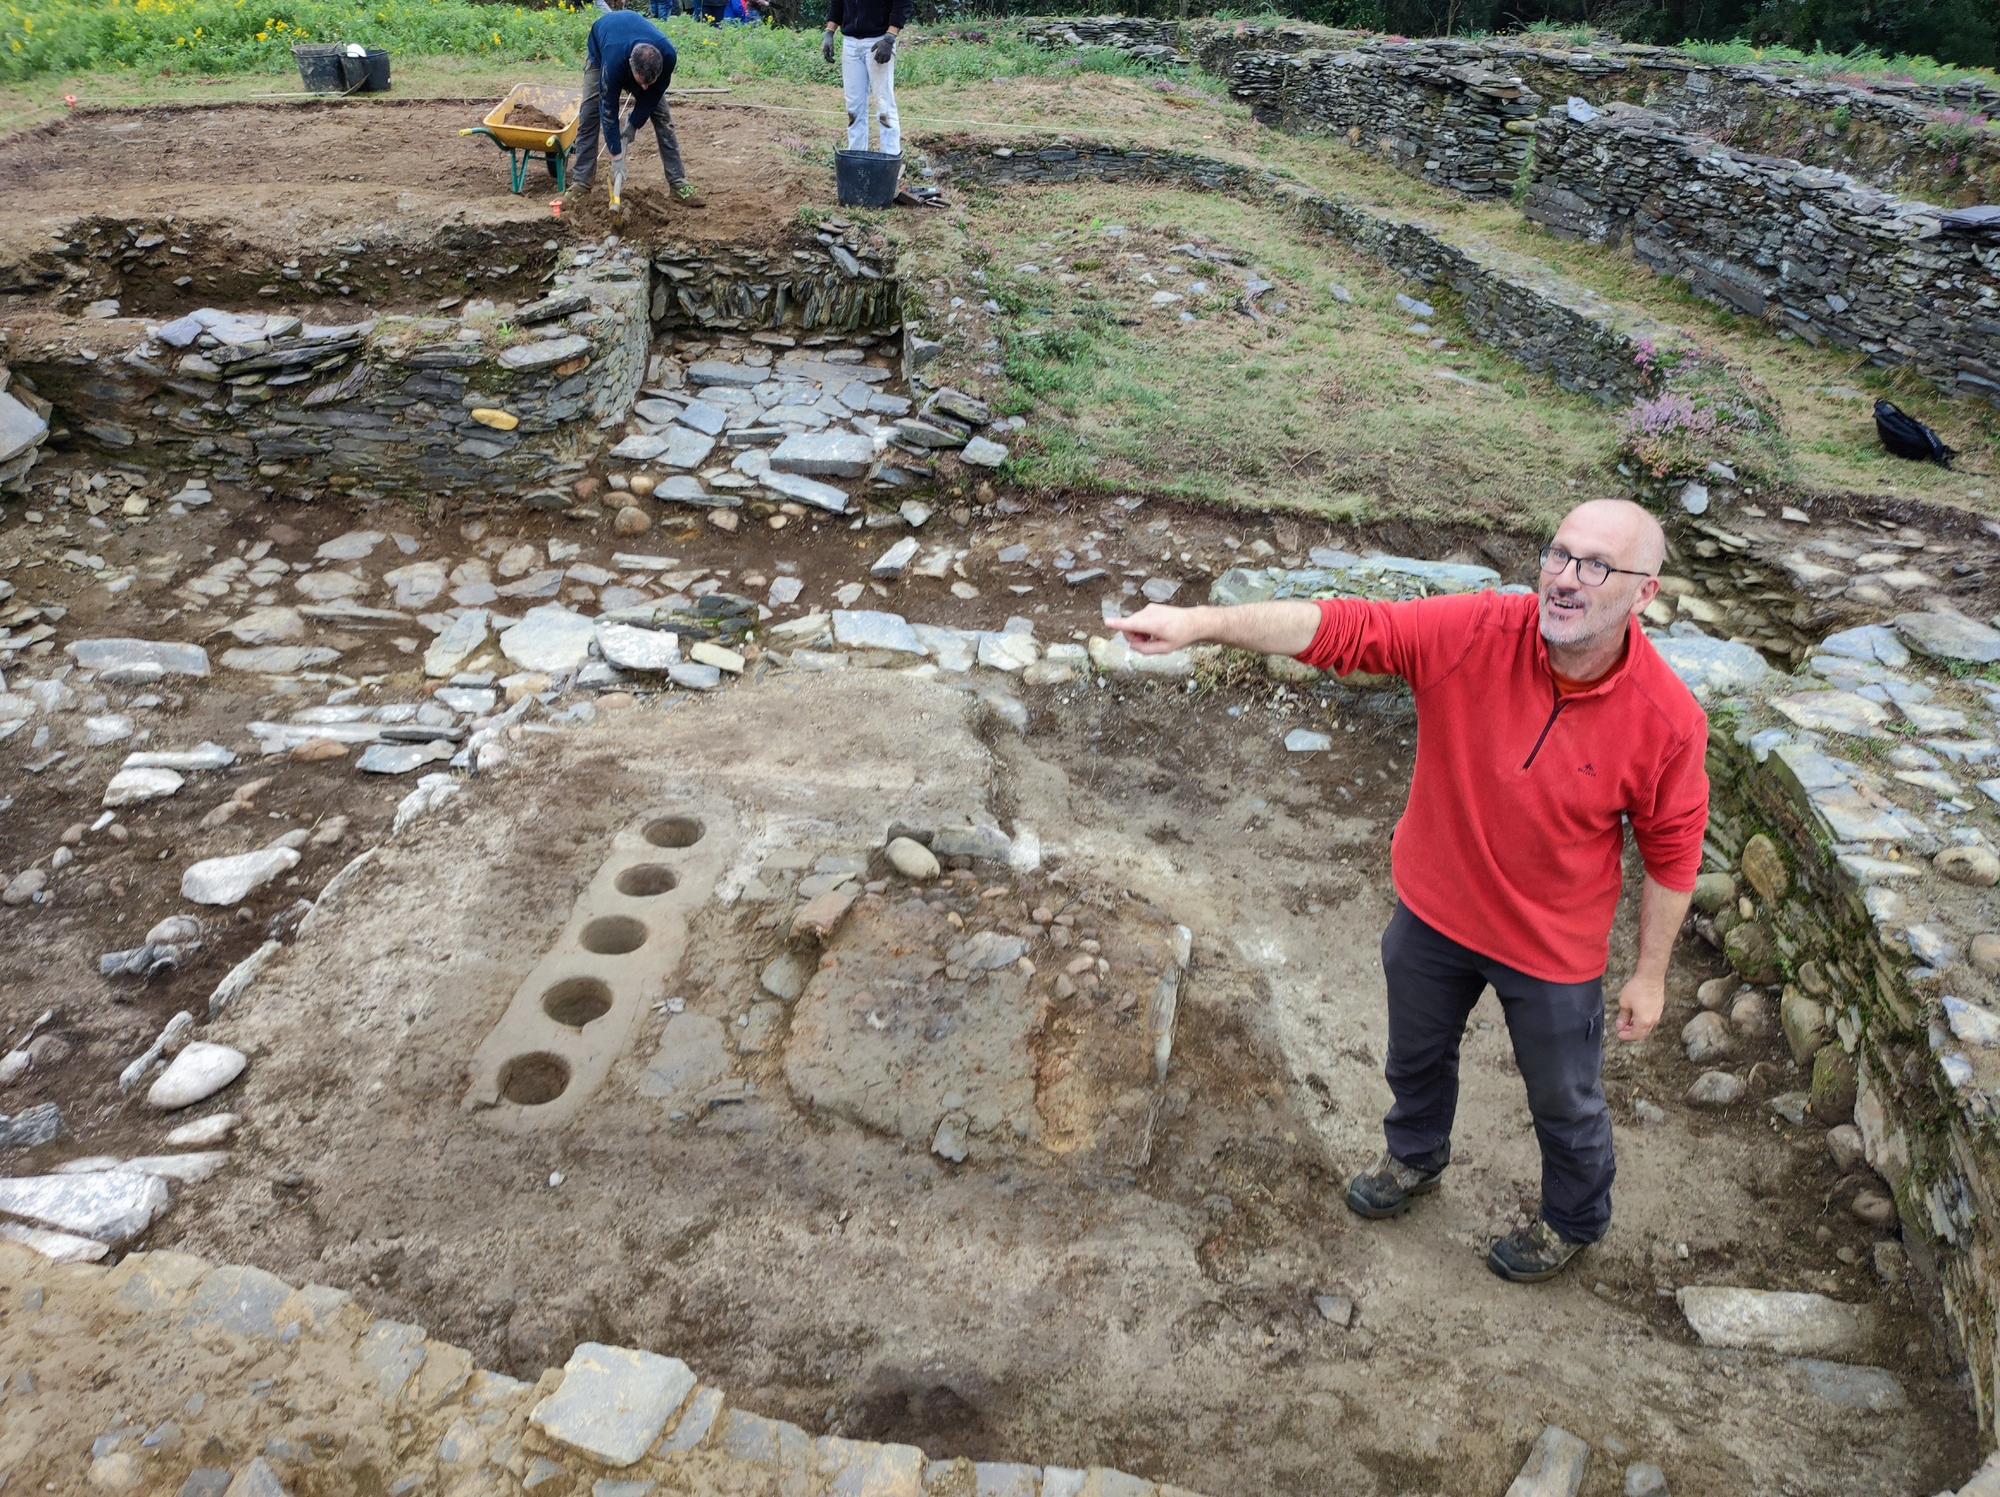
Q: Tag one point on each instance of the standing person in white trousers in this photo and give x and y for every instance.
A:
(868, 65)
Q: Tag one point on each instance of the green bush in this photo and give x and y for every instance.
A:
(40, 37)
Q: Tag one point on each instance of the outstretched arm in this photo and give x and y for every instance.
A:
(1268, 628)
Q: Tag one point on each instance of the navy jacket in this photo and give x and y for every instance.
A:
(612, 38)
(862, 19)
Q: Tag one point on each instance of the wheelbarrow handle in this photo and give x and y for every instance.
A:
(479, 130)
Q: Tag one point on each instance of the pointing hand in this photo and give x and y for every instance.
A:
(1158, 629)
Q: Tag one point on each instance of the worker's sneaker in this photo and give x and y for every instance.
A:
(1386, 1187)
(685, 193)
(1531, 1254)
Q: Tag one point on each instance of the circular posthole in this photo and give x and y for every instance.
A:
(614, 935)
(648, 878)
(575, 1001)
(531, 1080)
(674, 831)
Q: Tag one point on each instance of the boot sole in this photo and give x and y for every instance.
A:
(1361, 1206)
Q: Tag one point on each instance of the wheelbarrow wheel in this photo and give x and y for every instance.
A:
(557, 163)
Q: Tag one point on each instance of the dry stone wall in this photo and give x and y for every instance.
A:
(166, 1374)
(1539, 319)
(1825, 255)
(495, 400)
(845, 285)
(1925, 138)
(1880, 997)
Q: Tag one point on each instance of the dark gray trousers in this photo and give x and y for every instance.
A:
(583, 165)
(1558, 1034)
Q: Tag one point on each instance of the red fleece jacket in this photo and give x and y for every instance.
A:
(1512, 841)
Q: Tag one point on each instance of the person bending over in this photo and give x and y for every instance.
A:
(628, 55)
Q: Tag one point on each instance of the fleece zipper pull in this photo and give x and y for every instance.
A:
(1554, 713)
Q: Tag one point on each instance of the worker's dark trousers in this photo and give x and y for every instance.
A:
(1558, 1034)
(589, 135)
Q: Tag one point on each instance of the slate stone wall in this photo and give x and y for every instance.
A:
(1506, 301)
(388, 403)
(1821, 253)
(1816, 252)
(843, 286)
(385, 403)
(1890, 132)
(1867, 1017)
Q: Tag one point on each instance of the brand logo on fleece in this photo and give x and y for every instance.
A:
(1587, 768)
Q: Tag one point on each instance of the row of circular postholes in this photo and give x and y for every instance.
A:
(539, 1077)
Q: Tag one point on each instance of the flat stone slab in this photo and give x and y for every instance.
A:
(1554, 1467)
(401, 758)
(1950, 636)
(545, 353)
(455, 642)
(20, 428)
(144, 655)
(1834, 712)
(1801, 1325)
(705, 417)
(631, 648)
(871, 629)
(722, 372)
(613, 1403)
(549, 638)
(827, 454)
(131, 787)
(230, 880)
(982, 453)
(1712, 668)
(111, 1207)
(692, 1056)
(279, 660)
(806, 491)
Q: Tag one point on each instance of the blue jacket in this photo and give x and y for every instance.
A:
(612, 38)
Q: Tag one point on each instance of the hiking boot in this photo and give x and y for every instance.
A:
(1532, 1254)
(1384, 1189)
(686, 194)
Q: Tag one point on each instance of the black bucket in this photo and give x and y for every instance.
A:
(377, 80)
(320, 69)
(866, 179)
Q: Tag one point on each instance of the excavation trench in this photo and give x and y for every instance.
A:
(1038, 1160)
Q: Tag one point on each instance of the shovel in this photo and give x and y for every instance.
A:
(618, 185)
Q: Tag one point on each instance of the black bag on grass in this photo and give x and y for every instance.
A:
(1907, 437)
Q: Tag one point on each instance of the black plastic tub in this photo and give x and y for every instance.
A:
(866, 179)
(320, 69)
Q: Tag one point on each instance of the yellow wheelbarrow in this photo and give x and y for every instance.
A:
(524, 142)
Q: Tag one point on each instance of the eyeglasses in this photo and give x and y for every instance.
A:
(1589, 571)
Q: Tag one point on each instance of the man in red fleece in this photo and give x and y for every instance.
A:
(1544, 724)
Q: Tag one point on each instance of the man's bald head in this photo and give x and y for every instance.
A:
(1625, 534)
(1584, 620)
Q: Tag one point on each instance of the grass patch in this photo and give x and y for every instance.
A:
(1322, 407)
(1860, 65)
(209, 37)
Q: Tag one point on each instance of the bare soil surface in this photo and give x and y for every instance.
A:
(795, 1239)
(248, 191)
(1033, 1305)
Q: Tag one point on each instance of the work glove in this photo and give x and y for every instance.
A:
(885, 48)
(826, 48)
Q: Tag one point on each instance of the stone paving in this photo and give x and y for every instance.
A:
(167, 1375)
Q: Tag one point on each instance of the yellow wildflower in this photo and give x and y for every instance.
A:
(263, 36)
